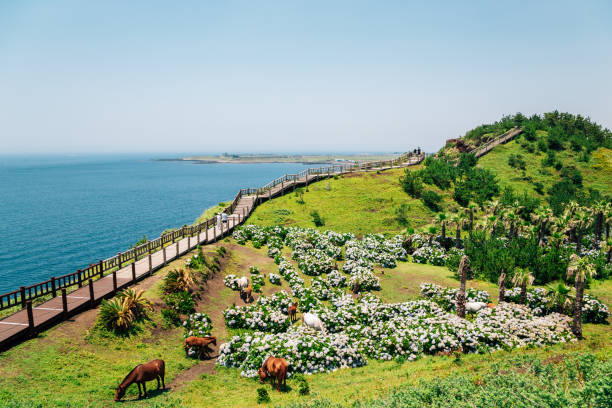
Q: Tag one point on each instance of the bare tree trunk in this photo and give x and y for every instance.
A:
(501, 283)
(577, 324)
(579, 247)
(443, 231)
(471, 220)
(524, 293)
(463, 265)
(458, 235)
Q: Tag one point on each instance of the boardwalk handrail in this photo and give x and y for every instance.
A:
(97, 270)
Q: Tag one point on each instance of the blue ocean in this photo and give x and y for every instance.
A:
(61, 213)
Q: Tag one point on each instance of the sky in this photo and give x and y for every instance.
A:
(290, 76)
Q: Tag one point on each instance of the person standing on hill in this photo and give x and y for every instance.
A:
(224, 217)
(219, 220)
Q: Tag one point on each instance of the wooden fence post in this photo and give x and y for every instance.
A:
(64, 303)
(134, 270)
(79, 278)
(199, 239)
(119, 260)
(53, 290)
(114, 281)
(92, 299)
(30, 318)
(164, 251)
(23, 297)
(101, 268)
(177, 250)
(150, 265)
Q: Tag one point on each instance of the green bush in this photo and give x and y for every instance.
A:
(170, 317)
(411, 183)
(302, 384)
(432, 200)
(262, 395)
(317, 219)
(181, 302)
(401, 214)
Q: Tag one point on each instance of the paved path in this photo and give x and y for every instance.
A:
(16, 327)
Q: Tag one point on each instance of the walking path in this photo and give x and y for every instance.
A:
(33, 319)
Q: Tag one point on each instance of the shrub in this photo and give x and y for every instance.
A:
(538, 187)
(401, 214)
(302, 383)
(115, 315)
(197, 324)
(262, 395)
(432, 200)
(170, 317)
(257, 281)
(411, 183)
(254, 270)
(135, 302)
(178, 280)
(181, 302)
(317, 219)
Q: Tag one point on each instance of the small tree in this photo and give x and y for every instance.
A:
(463, 265)
(581, 269)
(522, 278)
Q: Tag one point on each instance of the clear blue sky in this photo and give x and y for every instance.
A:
(208, 76)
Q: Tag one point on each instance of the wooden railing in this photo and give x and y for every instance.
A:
(99, 269)
(503, 138)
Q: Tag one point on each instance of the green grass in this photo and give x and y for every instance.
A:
(597, 173)
(359, 203)
(211, 212)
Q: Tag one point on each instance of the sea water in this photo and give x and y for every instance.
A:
(61, 213)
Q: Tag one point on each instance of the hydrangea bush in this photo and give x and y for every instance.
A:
(446, 298)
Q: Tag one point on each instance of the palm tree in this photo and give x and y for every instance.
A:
(501, 283)
(457, 219)
(491, 222)
(442, 220)
(432, 234)
(522, 278)
(471, 208)
(510, 219)
(559, 298)
(463, 265)
(581, 220)
(581, 269)
(608, 218)
(598, 210)
(542, 216)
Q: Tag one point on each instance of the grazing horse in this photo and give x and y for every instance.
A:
(199, 343)
(153, 370)
(292, 312)
(247, 294)
(276, 369)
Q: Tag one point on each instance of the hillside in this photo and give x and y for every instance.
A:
(597, 172)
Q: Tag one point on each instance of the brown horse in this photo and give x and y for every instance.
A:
(292, 312)
(276, 369)
(153, 370)
(247, 294)
(199, 343)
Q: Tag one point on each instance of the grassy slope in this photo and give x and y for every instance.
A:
(597, 172)
(358, 203)
(62, 368)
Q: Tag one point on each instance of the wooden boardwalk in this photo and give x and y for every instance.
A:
(31, 320)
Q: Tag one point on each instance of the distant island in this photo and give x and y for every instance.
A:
(284, 158)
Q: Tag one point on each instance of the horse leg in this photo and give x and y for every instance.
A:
(158, 384)
(139, 392)
(144, 387)
(163, 383)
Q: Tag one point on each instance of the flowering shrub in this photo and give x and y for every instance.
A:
(273, 252)
(314, 262)
(593, 310)
(274, 279)
(231, 282)
(257, 282)
(446, 297)
(363, 280)
(540, 302)
(254, 270)
(308, 300)
(320, 289)
(433, 254)
(197, 324)
(336, 280)
(261, 317)
(368, 327)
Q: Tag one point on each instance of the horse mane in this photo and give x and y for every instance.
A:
(130, 373)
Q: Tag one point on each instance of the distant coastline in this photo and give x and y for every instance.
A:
(275, 158)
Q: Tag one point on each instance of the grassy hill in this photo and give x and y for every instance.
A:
(358, 203)
(597, 172)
